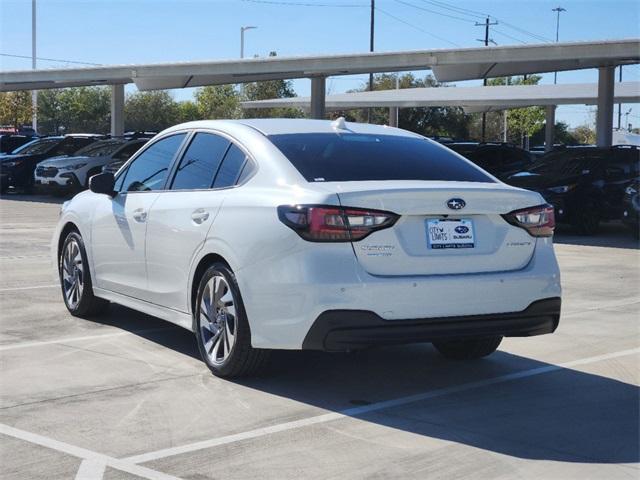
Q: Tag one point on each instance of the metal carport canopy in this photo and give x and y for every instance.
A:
(447, 65)
(472, 99)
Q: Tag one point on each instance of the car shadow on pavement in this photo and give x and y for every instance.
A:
(563, 415)
(560, 415)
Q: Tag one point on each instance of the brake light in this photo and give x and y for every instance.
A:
(538, 221)
(326, 223)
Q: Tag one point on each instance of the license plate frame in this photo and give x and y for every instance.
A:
(450, 233)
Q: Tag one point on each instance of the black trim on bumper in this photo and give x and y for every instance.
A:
(340, 330)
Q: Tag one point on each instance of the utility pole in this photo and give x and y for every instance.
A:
(371, 47)
(487, 23)
(558, 10)
(34, 93)
(626, 119)
(620, 105)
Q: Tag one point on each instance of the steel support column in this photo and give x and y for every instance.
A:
(117, 110)
(549, 128)
(318, 92)
(393, 116)
(604, 116)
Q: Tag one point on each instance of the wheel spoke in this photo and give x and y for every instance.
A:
(225, 344)
(220, 290)
(216, 347)
(207, 326)
(228, 335)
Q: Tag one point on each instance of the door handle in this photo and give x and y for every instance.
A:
(200, 216)
(140, 215)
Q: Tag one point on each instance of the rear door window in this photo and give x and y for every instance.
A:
(337, 157)
(201, 162)
(231, 168)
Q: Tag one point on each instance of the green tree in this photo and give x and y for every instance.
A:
(521, 122)
(432, 121)
(155, 110)
(50, 111)
(188, 111)
(584, 134)
(15, 108)
(218, 101)
(265, 91)
(561, 135)
(85, 109)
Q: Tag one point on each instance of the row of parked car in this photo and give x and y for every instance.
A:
(63, 164)
(586, 184)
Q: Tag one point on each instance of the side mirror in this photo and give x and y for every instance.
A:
(103, 183)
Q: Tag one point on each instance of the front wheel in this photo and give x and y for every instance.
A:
(467, 349)
(222, 328)
(75, 279)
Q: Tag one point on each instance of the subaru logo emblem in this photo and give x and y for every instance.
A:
(461, 229)
(456, 203)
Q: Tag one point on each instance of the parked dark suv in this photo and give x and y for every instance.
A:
(17, 169)
(499, 159)
(9, 142)
(585, 184)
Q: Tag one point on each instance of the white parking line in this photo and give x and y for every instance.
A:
(79, 452)
(356, 411)
(91, 470)
(16, 346)
(34, 287)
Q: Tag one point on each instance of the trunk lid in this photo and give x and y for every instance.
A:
(408, 248)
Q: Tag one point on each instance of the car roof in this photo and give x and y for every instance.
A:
(276, 126)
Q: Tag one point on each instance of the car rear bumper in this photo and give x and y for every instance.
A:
(342, 330)
(284, 299)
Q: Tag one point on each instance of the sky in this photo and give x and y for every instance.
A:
(151, 31)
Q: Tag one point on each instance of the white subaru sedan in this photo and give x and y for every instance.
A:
(311, 234)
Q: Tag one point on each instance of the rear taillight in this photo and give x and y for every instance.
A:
(325, 223)
(538, 221)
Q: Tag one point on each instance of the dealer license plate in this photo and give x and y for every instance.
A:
(450, 233)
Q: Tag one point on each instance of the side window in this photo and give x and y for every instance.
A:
(71, 145)
(149, 170)
(200, 162)
(231, 167)
(128, 150)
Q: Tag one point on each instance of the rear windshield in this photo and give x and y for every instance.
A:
(331, 157)
(560, 163)
(101, 148)
(37, 146)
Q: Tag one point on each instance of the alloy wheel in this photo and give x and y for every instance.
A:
(72, 273)
(218, 324)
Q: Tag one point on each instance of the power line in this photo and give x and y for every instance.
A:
(303, 4)
(48, 59)
(525, 32)
(508, 36)
(480, 14)
(416, 27)
(466, 20)
(458, 10)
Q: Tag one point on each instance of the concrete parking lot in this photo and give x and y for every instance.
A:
(126, 396)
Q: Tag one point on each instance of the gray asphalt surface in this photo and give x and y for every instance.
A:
(125, 396)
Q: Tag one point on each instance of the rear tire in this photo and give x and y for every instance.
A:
(467, 349)
(221, 326)
(75, 279)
